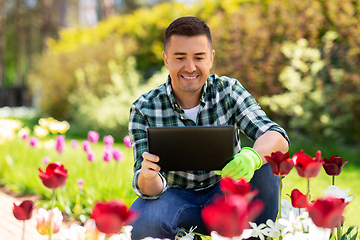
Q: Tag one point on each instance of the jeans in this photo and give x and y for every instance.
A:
(181, 208)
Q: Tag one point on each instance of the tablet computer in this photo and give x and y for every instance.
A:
(192, 148)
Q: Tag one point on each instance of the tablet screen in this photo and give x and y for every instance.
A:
(192, 148)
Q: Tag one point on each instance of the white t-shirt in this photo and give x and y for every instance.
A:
(192, 113)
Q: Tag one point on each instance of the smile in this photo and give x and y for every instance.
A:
(189, 78)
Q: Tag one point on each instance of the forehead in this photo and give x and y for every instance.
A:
(188, 44)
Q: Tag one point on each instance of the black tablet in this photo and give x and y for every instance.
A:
(192, 148)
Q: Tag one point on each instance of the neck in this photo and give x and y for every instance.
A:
(188, 102)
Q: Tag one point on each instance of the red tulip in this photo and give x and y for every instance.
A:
(333, 165)
(230, 186)
(230, 215)
(298, 200)
(306, 166)
(54, 177)
(111, 216)
(280, 163)
(327, 213)
(24, 210)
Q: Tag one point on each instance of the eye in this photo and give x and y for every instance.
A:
(180, 58)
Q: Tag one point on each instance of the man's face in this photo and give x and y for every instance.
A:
(189, 60)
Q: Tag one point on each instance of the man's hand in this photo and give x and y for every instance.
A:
(244, 165)
(149, 180)
(149, 168)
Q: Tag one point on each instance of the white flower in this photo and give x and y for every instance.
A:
(150, 238)
(318, 233)
(273, 229)
(286, 208)
(245, 235)
(293, 224)
(336, 192)
(125, 234)
(76, 232)
(258, 231)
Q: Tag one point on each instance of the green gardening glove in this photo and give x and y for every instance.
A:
(243, 164)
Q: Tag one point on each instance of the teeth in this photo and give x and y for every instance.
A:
(190, 77)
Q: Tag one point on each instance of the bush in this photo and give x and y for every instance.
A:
(247, 35)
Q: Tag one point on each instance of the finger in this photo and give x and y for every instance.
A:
(230, 167)
(240, 174)
(150, 165)
(239, 169)
(248, 177)
(150, 157)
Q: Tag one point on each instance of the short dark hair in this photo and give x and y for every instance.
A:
(187, 26)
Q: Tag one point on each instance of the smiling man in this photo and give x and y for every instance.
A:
(169, 201)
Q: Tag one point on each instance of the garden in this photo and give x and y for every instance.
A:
(300, 61)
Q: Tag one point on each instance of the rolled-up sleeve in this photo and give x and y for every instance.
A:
(252, 120)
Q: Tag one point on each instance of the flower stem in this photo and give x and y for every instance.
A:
(51, 213)
(333, 180)
(308, 190)
(339, 233)
(23, 232)
(279, 210)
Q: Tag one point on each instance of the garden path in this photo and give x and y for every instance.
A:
(11, 228)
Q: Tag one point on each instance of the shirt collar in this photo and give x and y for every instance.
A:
(169, 92)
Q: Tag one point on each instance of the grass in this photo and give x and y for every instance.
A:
(19, 163)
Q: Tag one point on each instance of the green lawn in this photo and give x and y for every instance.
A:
(19, 163)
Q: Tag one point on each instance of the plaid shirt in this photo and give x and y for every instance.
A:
(224, 101)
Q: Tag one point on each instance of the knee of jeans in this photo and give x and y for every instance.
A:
(151, 222)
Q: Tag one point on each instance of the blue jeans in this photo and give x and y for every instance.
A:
(181, 208)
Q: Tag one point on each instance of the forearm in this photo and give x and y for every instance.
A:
(270, 142)
(150, 186)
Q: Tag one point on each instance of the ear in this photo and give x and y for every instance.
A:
(165, 60)
(212, 58)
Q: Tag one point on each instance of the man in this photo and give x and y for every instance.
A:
(169, 201)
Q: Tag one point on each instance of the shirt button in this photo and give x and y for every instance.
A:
(201, 183)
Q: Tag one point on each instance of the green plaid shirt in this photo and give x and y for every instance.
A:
(224, 101)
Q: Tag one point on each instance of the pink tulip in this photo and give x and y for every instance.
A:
(43, 221)
(60, 143)
(91, 156)
(93, 136)
(107, 154)
(91, 230)
(127, 141)
(74, 143)
(33, 141)
(46, 160)
(86, 145)
(80, 182)
(25, 136)
(118, 154)
(108, 140)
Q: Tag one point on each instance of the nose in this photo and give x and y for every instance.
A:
(189, 65)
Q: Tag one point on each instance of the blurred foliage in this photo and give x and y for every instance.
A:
(309, 101)
(248, 35)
